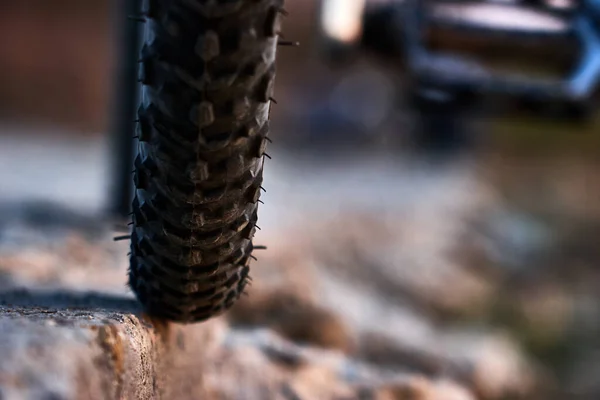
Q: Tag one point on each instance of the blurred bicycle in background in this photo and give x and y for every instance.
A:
(453, 60)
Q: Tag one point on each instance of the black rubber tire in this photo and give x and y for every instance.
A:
(207, 70)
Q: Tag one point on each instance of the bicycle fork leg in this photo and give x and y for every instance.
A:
(126, 92)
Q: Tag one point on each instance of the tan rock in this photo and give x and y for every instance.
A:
(420, 388)
(294, 316)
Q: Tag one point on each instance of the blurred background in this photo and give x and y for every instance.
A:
(480, 267)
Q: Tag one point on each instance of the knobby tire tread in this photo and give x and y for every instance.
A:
(207, 69)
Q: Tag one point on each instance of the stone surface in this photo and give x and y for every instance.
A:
(395, 290)
(85, 353)
(69, 329)
(90, 347)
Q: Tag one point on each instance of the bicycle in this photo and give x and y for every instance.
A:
(433, 46)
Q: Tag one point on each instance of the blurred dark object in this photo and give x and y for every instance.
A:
(125, 94)
(441, 120)
(552, 49)
(348, 27)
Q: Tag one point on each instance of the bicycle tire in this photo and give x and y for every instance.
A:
(207, 71)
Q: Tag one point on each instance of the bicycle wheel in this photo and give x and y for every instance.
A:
(207, 70)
